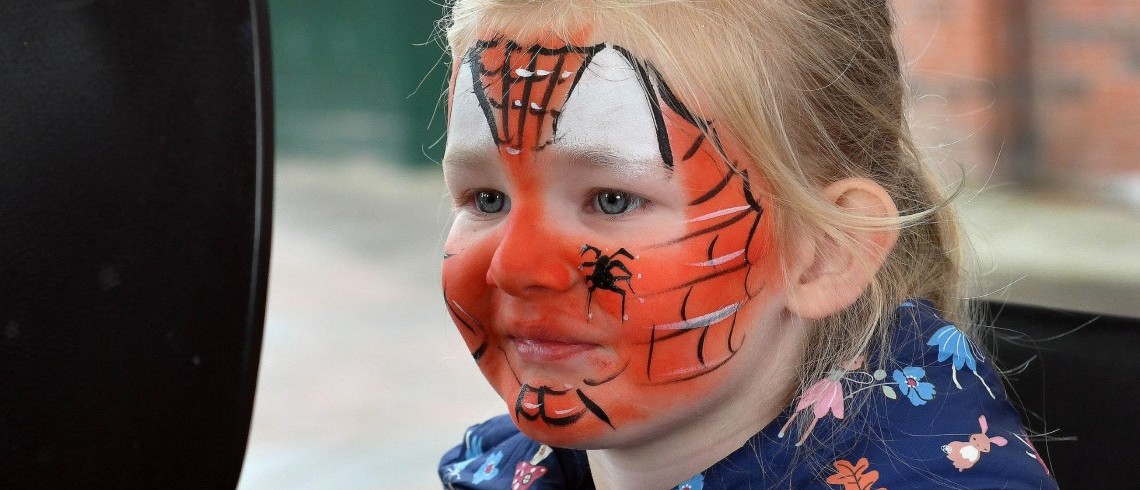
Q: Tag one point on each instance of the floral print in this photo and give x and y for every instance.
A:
(853, 476)
(911, 385)
(490, 468)
(825, 396)
(955, 345)
(453, 471)
(473, 449)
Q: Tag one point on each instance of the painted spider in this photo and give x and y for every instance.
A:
(602, 277)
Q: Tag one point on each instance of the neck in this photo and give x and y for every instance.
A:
(699, 440)
(662, 465)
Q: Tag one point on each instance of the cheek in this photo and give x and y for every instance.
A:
(470, 303)
(696, 293)
(687, 323)
(466, 259)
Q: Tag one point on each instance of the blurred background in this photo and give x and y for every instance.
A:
(1035, 104)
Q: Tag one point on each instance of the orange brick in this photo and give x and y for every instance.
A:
(1083, 67)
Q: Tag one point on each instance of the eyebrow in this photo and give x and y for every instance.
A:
(584, 155)
(466, 158)
(603, 158)
(592, 157)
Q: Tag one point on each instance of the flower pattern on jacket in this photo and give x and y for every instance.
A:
(823, 397)
(489, 469)
(911, 385)
(853, 476)
(473, 449)
(953, 344)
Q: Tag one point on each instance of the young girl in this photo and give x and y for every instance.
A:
(694, 247)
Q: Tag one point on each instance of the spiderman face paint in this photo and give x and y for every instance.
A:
(606, 268)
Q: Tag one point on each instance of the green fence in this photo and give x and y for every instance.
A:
(358, 76)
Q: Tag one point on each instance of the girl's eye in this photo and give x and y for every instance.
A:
(490, 202)
(617, 202)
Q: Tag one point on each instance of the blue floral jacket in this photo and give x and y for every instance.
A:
(935, 415)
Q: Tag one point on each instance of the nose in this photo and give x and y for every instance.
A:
(532, 257)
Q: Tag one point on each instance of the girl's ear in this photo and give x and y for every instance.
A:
(829, 273)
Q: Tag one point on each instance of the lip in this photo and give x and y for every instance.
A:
(540, 351)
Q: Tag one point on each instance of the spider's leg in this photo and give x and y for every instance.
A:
(622, 251)
(622, 293)
(587, 264)
(627, 284)
(589, 298)
(587, 248)
(619, 265)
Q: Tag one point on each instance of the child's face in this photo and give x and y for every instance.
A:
(605, 266)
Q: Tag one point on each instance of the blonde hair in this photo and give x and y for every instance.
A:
(811, 92)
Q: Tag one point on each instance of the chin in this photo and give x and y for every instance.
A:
(586, 435)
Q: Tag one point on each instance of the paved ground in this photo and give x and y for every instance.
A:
(363, 381)
(364, 384)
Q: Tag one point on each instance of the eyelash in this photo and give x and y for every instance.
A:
(471, 198)
(594, 203)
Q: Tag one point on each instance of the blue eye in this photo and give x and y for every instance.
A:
(617, 202)
(490, 202)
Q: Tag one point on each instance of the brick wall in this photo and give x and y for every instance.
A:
(1041, 91)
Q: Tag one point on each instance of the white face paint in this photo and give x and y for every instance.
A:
(608, 112)
(606, 121)
(467, 128)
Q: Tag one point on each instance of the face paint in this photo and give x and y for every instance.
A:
(606, 266)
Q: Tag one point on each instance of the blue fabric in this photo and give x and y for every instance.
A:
(915, 422)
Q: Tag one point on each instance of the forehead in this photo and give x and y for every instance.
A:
(519, 102)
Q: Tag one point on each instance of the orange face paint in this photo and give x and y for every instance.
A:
(604, 261)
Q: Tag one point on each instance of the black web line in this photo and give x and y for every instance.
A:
(505, 83)
(711, 245)
(654, 106)
(542, 392)
(705, 368)
(475, 65)
(477, 354)
(595, 409)
(607, 379)
(704, 231)
(554, 115)
(714, 191)
(509, 366)
(524, 111)
(757, 212)
(697, 142)
(501, 130)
